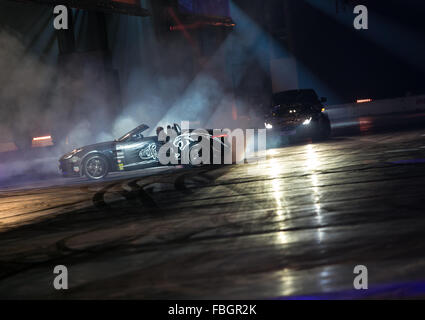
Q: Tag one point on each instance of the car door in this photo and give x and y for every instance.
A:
(137, 154)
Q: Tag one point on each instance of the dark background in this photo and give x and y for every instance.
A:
(388, 60)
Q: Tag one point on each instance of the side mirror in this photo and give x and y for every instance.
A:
(323, 99)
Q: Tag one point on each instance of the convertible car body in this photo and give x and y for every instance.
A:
(130, 152)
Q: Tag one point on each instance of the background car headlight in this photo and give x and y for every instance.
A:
(268, 125)
(307, 122)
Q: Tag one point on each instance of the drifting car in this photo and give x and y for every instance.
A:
(132, 151)
(298, 114)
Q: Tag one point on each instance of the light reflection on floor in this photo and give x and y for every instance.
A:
(293, 224)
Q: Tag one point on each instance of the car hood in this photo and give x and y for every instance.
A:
(103, 146)
(99, 146)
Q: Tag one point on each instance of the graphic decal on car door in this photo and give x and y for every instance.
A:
(132, 154)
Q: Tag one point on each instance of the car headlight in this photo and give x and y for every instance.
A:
(71, 154)
(307, 122)
(68, 156)
(268, 125)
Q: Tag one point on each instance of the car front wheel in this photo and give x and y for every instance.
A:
(322, 129)
(96, 167)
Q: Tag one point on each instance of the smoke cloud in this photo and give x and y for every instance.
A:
(74, 98)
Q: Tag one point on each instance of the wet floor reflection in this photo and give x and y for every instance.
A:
(295, 223)
(312, 167)
(275, 171)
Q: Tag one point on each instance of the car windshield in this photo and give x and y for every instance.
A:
(133, 132)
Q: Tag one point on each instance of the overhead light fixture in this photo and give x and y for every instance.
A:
(42, 138)
(364, 100)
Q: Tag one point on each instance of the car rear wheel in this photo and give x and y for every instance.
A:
(96, 167)
(195, 154)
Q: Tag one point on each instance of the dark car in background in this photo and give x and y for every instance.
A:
(298, 114)
(132, 151)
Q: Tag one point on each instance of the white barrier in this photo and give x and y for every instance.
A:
(353, 111)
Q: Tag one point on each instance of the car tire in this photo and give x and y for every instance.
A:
(294, 139)
(96, 167)
(190, 165)
(322, 129)
(193, 148)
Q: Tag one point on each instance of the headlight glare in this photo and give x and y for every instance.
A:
(307, 122)
(268, 125)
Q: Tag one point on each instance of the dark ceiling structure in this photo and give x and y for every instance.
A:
(129, 7)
